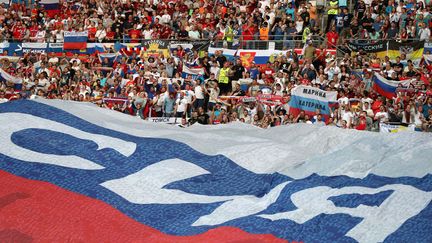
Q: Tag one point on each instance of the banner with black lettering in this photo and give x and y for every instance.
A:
(392, 48)
(310, 100)
(378, 46)
(165, 120)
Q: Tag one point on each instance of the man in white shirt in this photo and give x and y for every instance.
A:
(199, 94)
(100, 33)
(43, 68)
(343, 100)
(147, 33)
(214, 70)
(347, 115)
(332, 70)
(382, 115)
(424, 33)
(166, 18)
(181, 105)
(194, 34)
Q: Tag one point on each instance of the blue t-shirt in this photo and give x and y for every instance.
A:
(254, 73)
(169, 105)
(290, 11)
(377, 26)
(426, 109)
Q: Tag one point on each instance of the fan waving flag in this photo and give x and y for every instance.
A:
(111, 57)
(75, 40)
(68, 175)
(387, 88)
(52, 7)
(4, 76)
(310, 99)
(194, 71)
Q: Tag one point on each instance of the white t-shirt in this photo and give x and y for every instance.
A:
(44, 83)
(147, 34)
(347, 116)
(194, 34)
(368, 100)
(181, 104)
(188, 95)
(165, 19)
(379, 114)
(424, 34)
(213, 95)
(199, 92)
(343, 101)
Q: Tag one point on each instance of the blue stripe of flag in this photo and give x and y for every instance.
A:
(308, 104)
(52, 6)
(75, 39)
(383, 85)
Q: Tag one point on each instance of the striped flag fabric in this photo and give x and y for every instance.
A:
(4, 76)
(75, 40)
(310, 99)
(112, 57)
(52, 7)
(387, 88)
(71, 171)
(194, 71)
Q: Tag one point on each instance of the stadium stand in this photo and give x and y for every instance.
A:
(362, 65)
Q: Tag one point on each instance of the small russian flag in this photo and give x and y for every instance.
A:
(75, 40)
(52, 7)
(387, 88)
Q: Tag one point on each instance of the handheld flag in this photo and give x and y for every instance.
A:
(52, 7)
(75, 40)
(387, 88)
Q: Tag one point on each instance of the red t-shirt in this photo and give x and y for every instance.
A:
(134, 34)
(19, 32)
(165, 32)
(33, 31)
(59, 24)
(332, 38)
(248, 32)
(268, 71)
(110, 35)
(375, 106)
(362, 124)
(92, 32)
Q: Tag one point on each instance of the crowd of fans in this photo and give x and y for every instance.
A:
(153, 87)
(109, 21)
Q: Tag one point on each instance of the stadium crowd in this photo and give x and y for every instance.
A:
(153, 86)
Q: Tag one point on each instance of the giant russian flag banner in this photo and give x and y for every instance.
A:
(387, 88)
(310, 99)
(52, 7)
(75, 172)
(75, 40)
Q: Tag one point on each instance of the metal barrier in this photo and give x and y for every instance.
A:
(283, 44)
